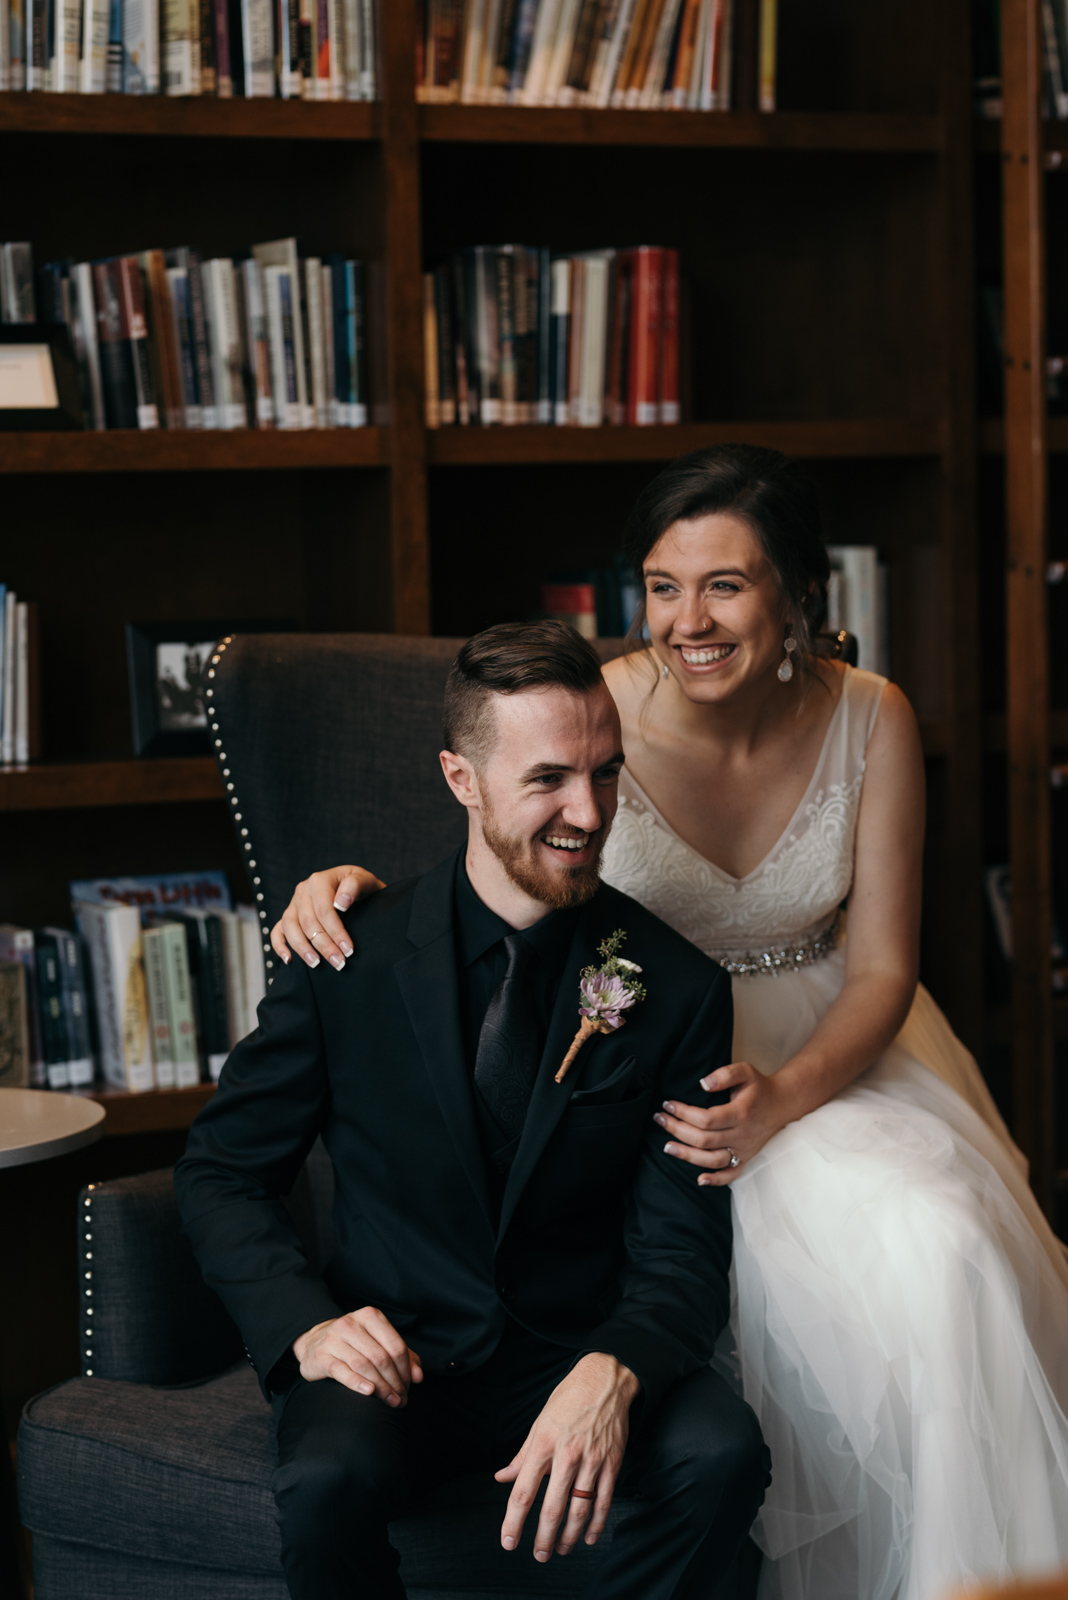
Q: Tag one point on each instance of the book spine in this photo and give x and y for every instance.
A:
(559, 332)
(543, 412)
(631, 46)
(140, 38)
(255, 972)
(66, 67)
(339, 319)
(327, 272)
(289, 389)
(643, 374)
(369, 67)
(167, 373)
(653, 83)
(488, 346)
(86, 351)
(617, 346)
(36, 44)
(178, 282)
(16, 273)
(76, 1000)
(769, 52)
(116, 358)
(52, 1012)
(431, 396)
(177, 46)
(576, 342)
(136, 330)
(22, 684)
(541, 51)
(258, 343)
(14, 1028)
(158, 1010)
(209, 414)
(115, 72)
(224, 83)
(92, 72)
(312, 272)
(181, 1009)
(359, 410)
(230, 338)
(506, 336)
(668, 388)
(446, 348)
(16, 944)
(595, 313)
(208, 76)
(258, 43)
(234, 969)
(17, 36)
(7, 723)
(466, 362)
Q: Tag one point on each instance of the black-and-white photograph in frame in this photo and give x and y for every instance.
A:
(168, 665)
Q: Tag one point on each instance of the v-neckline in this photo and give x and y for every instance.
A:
(789, 828)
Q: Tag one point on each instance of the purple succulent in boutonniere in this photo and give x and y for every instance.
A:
(605, 992)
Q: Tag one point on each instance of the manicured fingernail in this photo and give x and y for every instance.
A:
(669, 1108)
(709, 1082)
(338, 962)
(346, 947)
(660, 1121)
(508, 1542)
(343, 902)
(669, 1149)
(313, 961)
(287, 958)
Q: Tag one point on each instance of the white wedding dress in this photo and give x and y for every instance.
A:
(901, 1306)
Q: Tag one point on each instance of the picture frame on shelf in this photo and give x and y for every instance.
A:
(168, 664)
(39, 390)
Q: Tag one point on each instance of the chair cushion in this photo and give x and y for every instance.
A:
(184, 1476)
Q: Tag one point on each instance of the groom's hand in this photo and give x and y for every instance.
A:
(579, 1440)
(362, 1350)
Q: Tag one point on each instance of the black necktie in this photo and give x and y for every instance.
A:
(506, 1062)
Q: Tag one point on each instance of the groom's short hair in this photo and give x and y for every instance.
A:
(509, 659)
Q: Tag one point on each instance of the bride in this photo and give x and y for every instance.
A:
(901, 1315)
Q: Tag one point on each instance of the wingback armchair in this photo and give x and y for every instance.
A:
(148, 1477)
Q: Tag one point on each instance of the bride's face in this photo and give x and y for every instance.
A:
(715, 609)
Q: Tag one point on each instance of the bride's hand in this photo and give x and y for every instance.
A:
(312, 911)
(707, 1135)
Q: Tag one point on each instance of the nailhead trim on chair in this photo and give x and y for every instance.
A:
(87, 1292)
(221, 757)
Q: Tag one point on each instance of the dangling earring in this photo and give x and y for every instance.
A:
(664, 673)
(786, 666)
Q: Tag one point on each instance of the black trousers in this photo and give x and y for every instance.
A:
(348, 1465)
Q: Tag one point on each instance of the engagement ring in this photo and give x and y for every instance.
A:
(734, 1161)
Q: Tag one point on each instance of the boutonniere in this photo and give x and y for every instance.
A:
(605, 992)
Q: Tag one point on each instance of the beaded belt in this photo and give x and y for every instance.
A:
(789, 958)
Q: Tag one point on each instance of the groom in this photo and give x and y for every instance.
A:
(522, 1281)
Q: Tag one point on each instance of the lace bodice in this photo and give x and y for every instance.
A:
(795, 891)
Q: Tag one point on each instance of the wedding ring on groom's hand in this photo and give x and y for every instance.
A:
(734, 1160)
(583, 1494)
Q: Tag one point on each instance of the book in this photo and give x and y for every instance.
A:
(431, 374)
(768, 54)
(16, 945)
(17, 300)
(155, 893)
(86, 348)
(860, 602)
(27, 731)
(252, 941)
(283, 253)
(7, 708)
(207, 969)
(112, 934)
(279, 305)
(140, 47)
(220, 307)
(75, 1000)
(181, 1005)
(155, 960)
(118, 380)
(54, 1034)
(14, 1027)
(67, 35)
(164, 355)
(179, 47)
(575, 603)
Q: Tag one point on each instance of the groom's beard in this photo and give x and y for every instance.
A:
(519, 858)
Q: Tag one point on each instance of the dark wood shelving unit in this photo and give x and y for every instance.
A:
(160, 116)
(74, 785)
(827, 259)
(731, 130)
(239, 450)
(157, 1111)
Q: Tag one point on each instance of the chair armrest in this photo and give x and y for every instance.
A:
(147, 1315)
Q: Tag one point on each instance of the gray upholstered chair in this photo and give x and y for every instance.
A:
(148, 1478)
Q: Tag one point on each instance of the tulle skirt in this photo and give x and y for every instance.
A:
(901, 1321)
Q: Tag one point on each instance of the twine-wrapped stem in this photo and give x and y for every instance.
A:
(587, 1026)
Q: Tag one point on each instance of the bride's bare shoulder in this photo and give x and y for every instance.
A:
(629, 678)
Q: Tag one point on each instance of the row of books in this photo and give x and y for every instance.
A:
(295, 49)
(166, 339)
(986, 52)
(516, 335)
(634, 54)
(599, 603)
(20, 656)
(152, 989)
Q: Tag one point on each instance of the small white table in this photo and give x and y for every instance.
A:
(37, 1124)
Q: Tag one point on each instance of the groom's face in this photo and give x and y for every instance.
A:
(546, 792)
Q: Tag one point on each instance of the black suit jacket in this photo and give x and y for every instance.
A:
(604, 1242)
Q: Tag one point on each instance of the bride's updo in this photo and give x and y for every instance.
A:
(773, 495)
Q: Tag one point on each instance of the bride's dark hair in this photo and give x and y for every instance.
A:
(766, 490)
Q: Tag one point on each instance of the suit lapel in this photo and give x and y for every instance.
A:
(549, 1099)
(428, 986)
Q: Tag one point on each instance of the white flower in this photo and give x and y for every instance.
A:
(628, 966)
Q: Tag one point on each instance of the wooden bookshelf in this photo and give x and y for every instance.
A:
(159, 116)
(855, 437)
(243, 450)
(732, 130)
(156, 1111)
(65, 786)
(828, 254)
